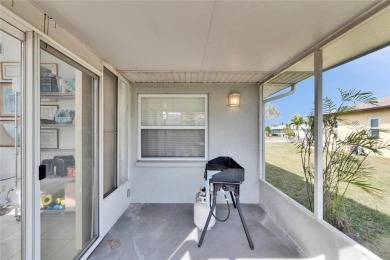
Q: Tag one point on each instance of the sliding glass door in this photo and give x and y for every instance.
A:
(69, 152)
(11, 132)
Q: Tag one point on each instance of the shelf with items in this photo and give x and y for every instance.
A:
(57, 125)
(53, 116)
(58, 95)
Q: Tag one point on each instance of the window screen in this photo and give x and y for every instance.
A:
(110, 127)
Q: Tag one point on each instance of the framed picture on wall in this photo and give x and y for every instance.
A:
(48, 112)
(51, 66)
(7, 133)
(7, 100)
(49, 138)
(10, 70)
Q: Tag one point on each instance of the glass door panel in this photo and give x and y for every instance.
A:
(10, 146)
(69, 193)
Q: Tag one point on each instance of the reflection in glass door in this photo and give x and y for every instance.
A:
(10, 146)
(68, 144)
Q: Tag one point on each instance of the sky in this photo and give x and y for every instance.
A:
(368, 73)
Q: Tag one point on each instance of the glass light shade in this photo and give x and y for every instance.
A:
(234, 100)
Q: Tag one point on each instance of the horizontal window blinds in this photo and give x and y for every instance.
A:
(172, 143)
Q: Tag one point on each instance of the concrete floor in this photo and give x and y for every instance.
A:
(167, 231)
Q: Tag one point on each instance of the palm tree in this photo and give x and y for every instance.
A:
(297, 121)
(340, 166)
(268, 130)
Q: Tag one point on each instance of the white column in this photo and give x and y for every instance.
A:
(261, 135)
(318, 125)
(31, 225)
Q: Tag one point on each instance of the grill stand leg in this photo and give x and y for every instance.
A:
(209, 217)
(237, 205)
(234, 203)
(248, 236)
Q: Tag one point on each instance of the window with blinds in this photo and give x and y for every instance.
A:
(172, 126)
(374, 126)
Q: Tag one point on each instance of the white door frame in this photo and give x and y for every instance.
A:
(28, 219)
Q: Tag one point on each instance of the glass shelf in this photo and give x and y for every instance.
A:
(59, 95)
(55, 125)
(60, 150)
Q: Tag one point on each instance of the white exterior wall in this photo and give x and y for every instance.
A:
(316, 238)
(233, 131)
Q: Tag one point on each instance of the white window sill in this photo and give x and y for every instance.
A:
(170, 164)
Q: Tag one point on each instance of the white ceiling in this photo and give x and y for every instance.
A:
(225, 41)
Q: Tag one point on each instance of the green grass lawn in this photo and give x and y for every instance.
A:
(368, 216)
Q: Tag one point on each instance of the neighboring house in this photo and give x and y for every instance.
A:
(278, 130)
(301, 132)
(374, 117)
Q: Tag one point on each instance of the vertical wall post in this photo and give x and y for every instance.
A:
(318, 126)
(261, 135)
(30, 198)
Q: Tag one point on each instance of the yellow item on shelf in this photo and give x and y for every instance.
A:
(62, 202)
(46, 200)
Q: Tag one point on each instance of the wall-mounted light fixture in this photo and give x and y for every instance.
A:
(234, 100)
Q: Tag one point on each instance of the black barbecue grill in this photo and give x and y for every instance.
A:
(229, 178)
(230, 171)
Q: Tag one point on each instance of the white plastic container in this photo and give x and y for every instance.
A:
(201, 212)
(18, 195)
